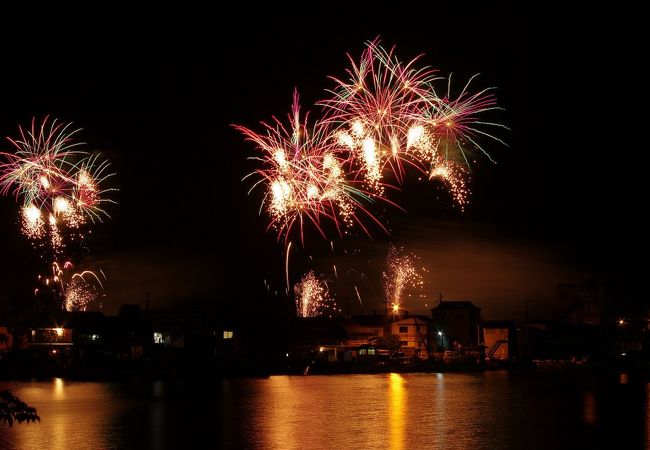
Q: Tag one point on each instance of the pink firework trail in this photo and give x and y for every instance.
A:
(371, 111)
(75, 291)
(306, 177)
(59, 186)
(385, 118)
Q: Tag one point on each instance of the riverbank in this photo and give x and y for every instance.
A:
(29, 365)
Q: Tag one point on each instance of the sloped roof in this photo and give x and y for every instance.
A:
(463, 304)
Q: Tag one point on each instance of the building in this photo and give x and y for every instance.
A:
(457, 325)
(363, 328)
(581, 303)
(413, 332)
(499, 338)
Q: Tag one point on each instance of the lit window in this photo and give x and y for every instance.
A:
(158, 338)
(371, 351)
(362, 351)
(227, 334)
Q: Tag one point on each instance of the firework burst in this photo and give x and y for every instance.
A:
(371, 111)
(312, 297)
(59, 186)
(386, 117)
(401, 278)
(306, 176)
(390, 117)
(74, 291)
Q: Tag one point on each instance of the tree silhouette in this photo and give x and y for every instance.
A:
(13, 409)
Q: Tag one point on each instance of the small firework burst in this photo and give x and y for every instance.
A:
(401, 278)
(312, 297)
(74, 291)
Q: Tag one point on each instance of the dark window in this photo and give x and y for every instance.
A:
(403, 329)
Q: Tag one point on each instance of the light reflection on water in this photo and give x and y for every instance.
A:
(396, 409)
(489, 410)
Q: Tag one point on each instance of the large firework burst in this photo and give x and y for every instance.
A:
(59, 186)
(306, 176)
(385, 117)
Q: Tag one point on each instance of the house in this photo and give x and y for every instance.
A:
(413, 332)
(581, 303)
(457, 325)
(89, 327)
(168, 328)
(49, 330)
(362, 329)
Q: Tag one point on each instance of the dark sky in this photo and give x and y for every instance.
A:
(156, 91)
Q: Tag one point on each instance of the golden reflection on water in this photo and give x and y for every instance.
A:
(481, 411)
(59, 428)
(59, 389)
(285, 414)
(589, 411)
(397, 407)
(647, 415)
(73, 415)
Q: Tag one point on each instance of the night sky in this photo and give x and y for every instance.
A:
(157, 92)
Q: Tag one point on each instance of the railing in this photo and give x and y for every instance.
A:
(495, 347)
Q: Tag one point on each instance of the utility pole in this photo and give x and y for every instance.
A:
(527, 318)
(146, 301)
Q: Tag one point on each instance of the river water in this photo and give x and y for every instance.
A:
(490, 410)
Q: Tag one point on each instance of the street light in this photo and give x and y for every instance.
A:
(442, 339)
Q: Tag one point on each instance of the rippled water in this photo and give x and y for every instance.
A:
(489, 410)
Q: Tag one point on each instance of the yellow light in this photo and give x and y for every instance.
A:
(321, 349)
(32, 214)
(395, 308)
(59, 331)
(61, 205)
(397, 408)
